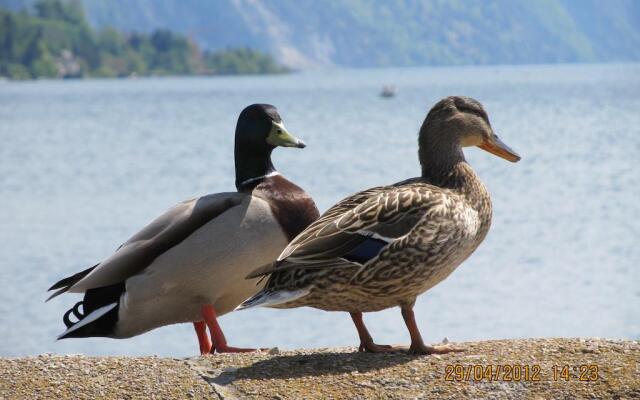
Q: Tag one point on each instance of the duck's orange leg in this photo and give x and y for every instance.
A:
(219, 341)
(203, 338)
(417, 345)
(366, 341)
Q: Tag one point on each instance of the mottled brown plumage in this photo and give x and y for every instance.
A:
(384, 246)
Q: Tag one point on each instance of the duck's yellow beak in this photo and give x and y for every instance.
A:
(279, 136)
(496, 146)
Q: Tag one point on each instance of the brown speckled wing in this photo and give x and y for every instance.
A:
(384, 212)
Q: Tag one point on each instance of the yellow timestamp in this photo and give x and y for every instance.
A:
(519, 373)
(491, 372)
(582, 373)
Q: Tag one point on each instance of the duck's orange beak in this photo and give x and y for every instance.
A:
(496, 146)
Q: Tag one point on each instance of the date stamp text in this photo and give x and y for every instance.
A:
(520, 373)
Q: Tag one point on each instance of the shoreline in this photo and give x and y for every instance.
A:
(501, 369)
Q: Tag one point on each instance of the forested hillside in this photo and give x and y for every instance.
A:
(364, 33)
(55, 40)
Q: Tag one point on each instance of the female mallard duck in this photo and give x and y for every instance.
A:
(189, 264)
(385, 246)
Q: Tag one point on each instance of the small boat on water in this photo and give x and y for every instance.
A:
(388, 91)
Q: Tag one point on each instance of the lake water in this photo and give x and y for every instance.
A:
(85, 164)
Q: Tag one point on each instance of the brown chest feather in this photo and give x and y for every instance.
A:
(293, 207)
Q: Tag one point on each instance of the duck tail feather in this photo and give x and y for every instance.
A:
(56, 293)
(266, 298)
(85, 326)
(64, 284)
(96, 314)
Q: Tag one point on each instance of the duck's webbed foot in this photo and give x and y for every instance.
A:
(231, 349)
(423, 349)
(218, 343)
(370, 347)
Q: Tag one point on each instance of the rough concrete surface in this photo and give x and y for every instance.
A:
(499, 369)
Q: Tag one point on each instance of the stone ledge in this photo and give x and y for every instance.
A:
(339, 373)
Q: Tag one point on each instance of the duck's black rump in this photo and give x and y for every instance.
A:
(94, 325)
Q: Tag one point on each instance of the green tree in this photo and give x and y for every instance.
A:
(58, 41)
(70, 11)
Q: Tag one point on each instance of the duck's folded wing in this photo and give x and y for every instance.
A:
(166, 231)
(356, 233)
(320, 227)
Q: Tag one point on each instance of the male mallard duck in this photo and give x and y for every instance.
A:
(190, 263)
(384, 246)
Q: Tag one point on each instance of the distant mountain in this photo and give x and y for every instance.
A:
(363, 33)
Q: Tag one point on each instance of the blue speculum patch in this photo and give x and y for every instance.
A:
(366, 250)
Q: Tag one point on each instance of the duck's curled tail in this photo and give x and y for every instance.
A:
(97, 313)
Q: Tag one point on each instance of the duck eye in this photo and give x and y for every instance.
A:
(279, 131)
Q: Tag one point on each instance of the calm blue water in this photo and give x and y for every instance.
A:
(85, 164)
